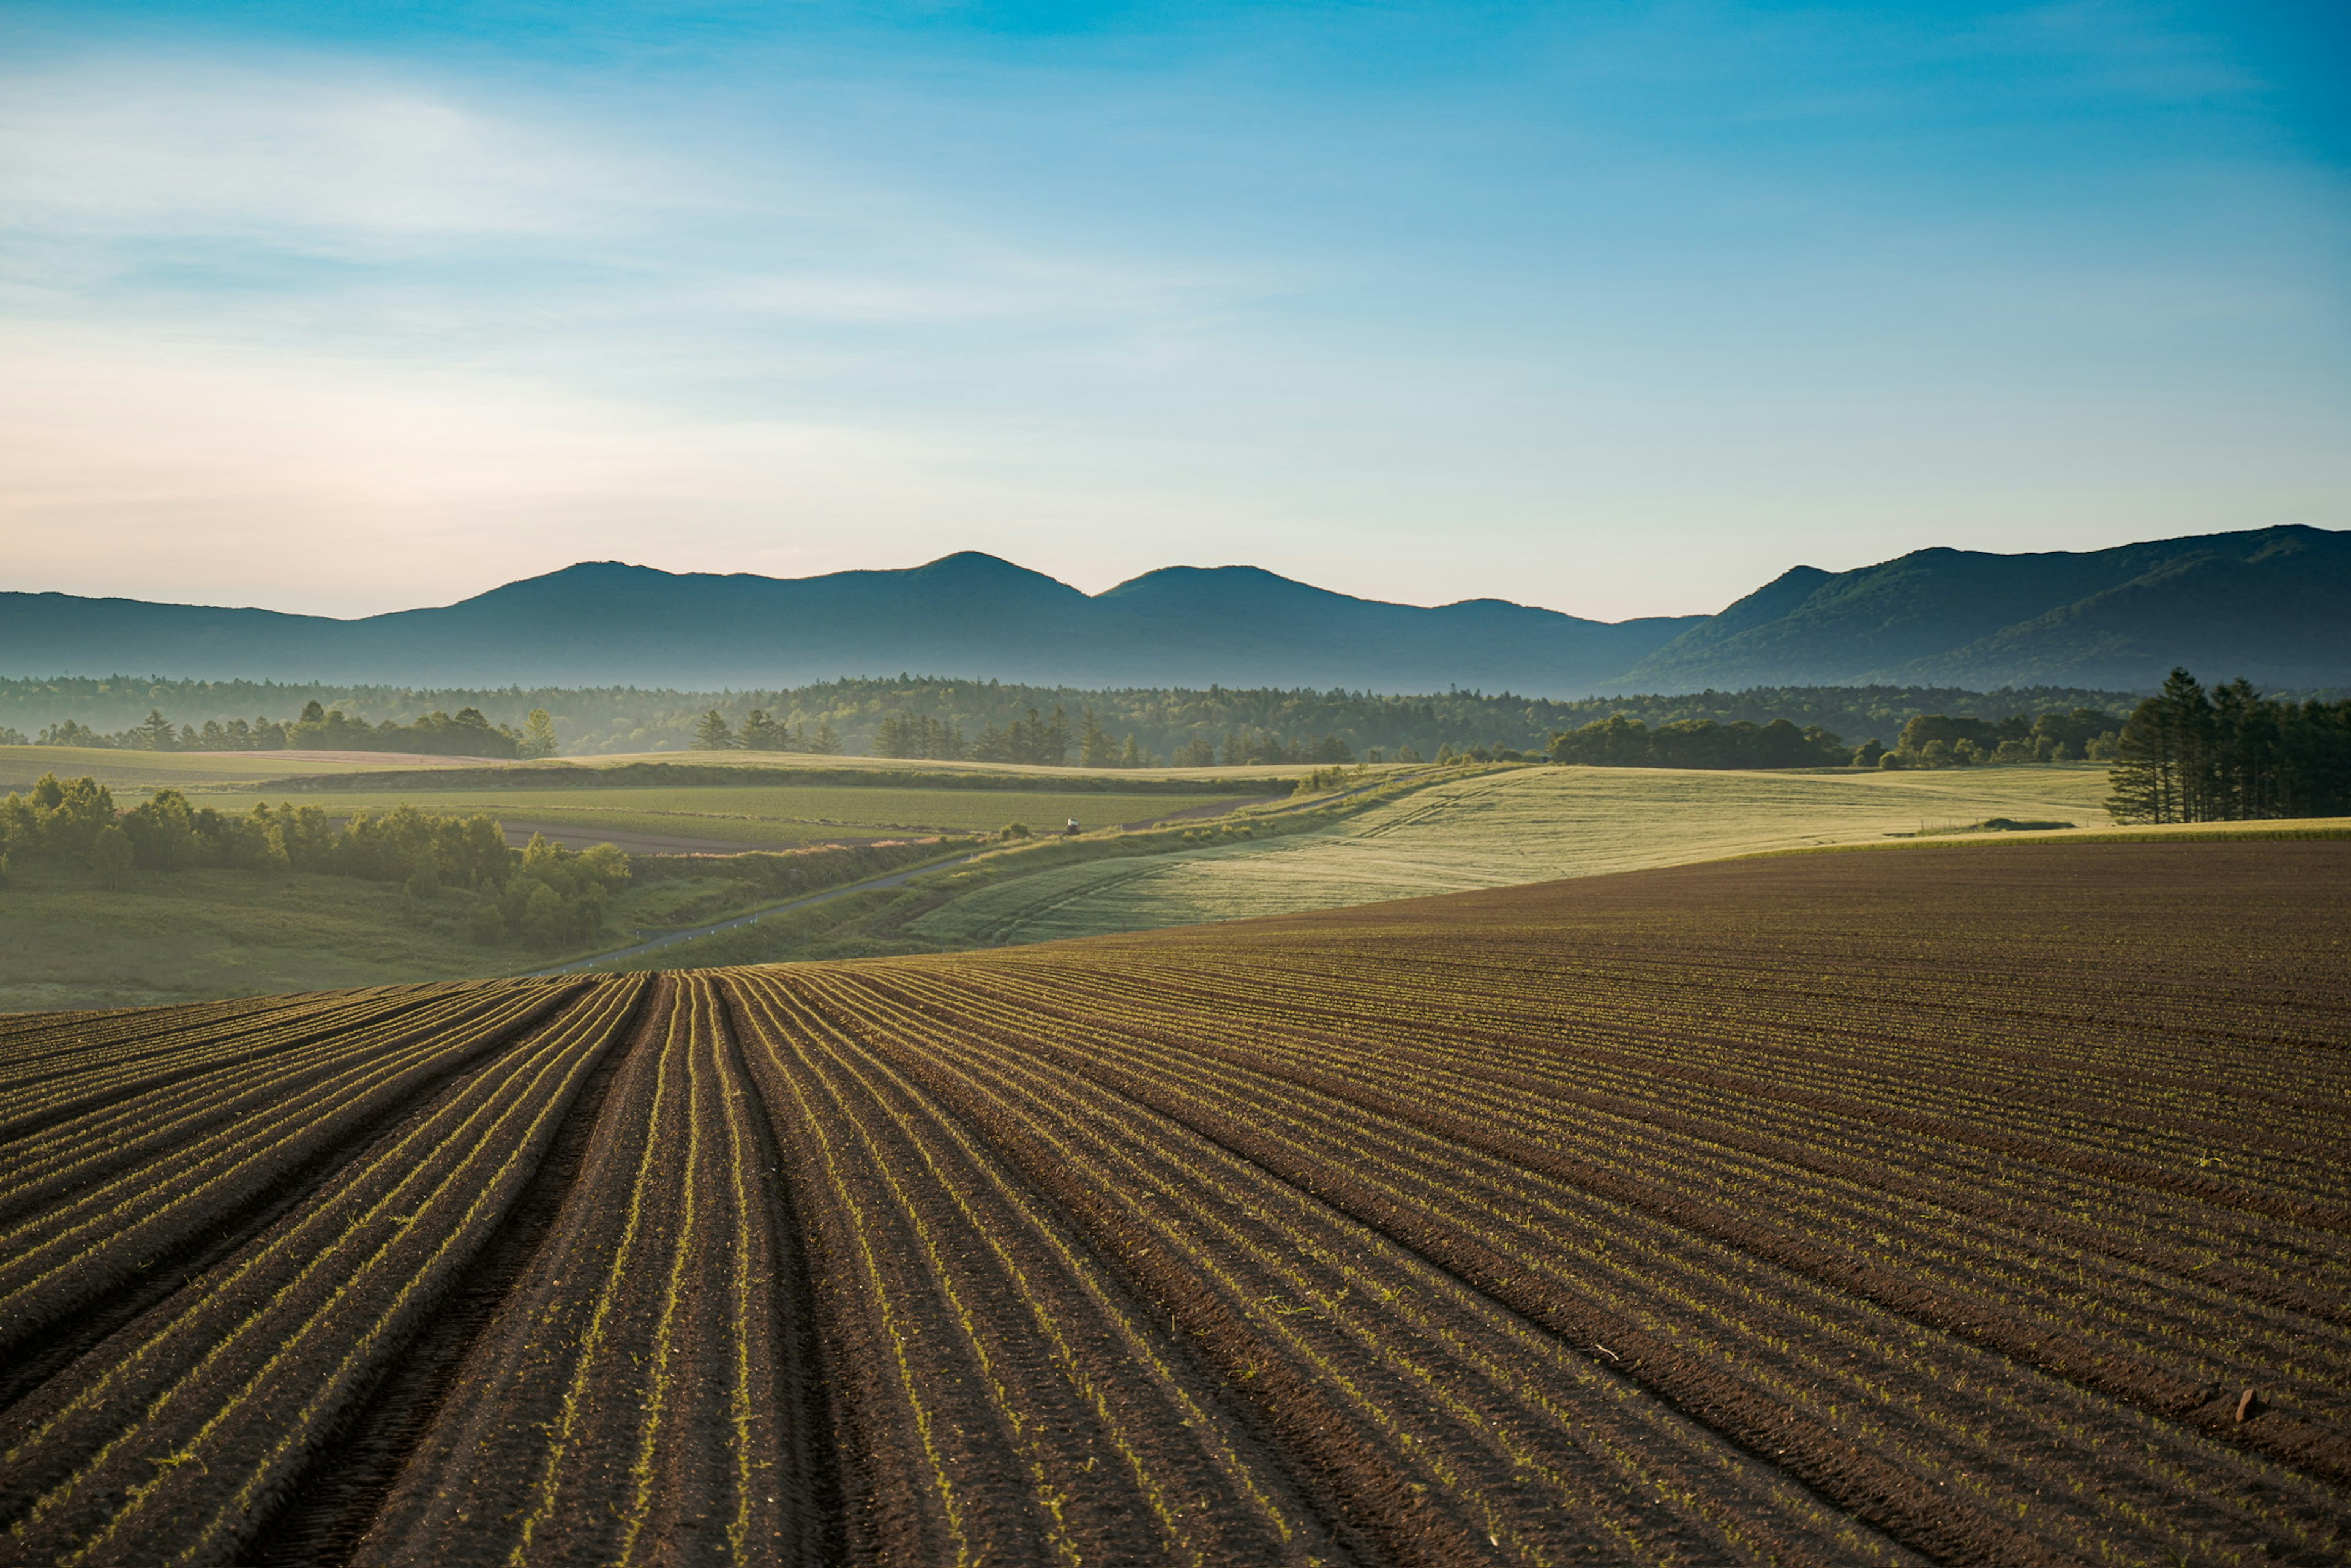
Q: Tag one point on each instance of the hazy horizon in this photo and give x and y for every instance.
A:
(1621, 311)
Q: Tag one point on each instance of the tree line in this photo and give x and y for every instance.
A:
(317, 727)
(868, 716)
(2227, 755)
(1621, 740)
(1927, 740)
(542, 894)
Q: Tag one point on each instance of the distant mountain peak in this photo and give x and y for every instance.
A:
(2273, 604)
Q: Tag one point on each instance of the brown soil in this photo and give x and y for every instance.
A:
(1973, 1205)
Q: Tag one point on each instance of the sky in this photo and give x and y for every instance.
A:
(1617, 309)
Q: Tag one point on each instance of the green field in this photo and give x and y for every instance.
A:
(788, 761)
(66, 943)
(1525, 825)
(730, 817)
(21, 765)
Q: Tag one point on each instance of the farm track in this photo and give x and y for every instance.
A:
(1760, 1212)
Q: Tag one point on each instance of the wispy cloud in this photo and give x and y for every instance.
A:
(1618, 309)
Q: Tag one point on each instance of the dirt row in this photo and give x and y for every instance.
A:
(1516, 1227)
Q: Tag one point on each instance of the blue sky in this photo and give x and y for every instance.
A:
(1619, 309)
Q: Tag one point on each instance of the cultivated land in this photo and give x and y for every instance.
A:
(1501, 829)
(706, 818)
(190, 770)
(1775, 1210)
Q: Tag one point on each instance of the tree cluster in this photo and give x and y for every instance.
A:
(322, 728)
(1622, 741)
(1958, 740)
(543, 894)
(2230, 755)
(761, 731)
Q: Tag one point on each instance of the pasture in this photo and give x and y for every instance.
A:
(1501, 829)
(706, 818)
(1778, 1210)
(140, 771)
(67, 942)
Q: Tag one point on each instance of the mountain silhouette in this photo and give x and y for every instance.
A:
(2273, 604)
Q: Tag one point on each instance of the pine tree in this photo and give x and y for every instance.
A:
(762, 733)
(712, 733)
(2163, 771)
(538, 734)
(1095, 747)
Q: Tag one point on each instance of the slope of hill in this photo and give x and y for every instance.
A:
(966, 614)
(2273, 604)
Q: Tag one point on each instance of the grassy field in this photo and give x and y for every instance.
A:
(1769, 1211)
(21, 765)
(790, 761)
(777, 818)
(1525, 825)
(66, 943)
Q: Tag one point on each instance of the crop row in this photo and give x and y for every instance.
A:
(1738, 1214)
(192, 1419)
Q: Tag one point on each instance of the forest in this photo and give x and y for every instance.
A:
(2227, 755)
(911, 716)
(318, 729)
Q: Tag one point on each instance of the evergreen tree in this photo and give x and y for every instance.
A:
(762, 733)
(712, 733)
(538, 734)
(2163, 771)
(824, 742)
(1095, 747)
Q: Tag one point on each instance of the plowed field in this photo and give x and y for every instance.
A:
(1968, 1206)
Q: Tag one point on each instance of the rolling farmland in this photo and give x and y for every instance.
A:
(1501, 829)
(1947, 1205)
(691, 819)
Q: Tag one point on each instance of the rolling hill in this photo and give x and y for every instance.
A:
(2273, 604)
(966, 614)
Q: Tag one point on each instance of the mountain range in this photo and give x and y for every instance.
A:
(2273, 604)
